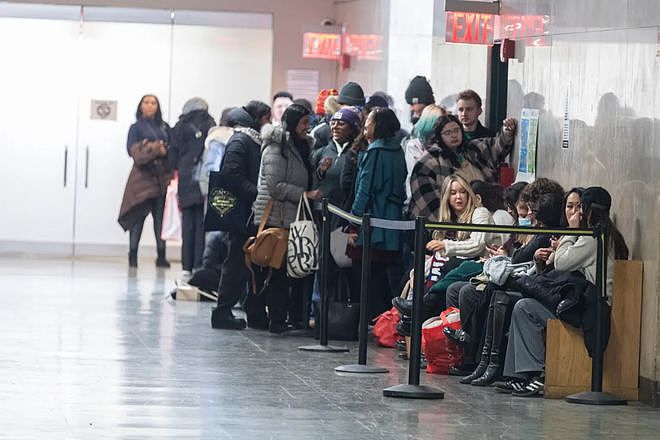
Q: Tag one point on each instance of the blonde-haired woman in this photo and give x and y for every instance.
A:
(459, 205)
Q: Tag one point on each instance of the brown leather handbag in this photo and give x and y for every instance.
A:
(267, 249)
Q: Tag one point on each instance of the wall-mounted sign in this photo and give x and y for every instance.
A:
(323, 46)
(105, 110)
(477, 28)
(328, 46)
(529, 129)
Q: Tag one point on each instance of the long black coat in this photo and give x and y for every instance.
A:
(185, 153)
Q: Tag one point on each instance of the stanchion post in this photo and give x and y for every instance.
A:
(413, 390)
(596, 396)
(325, 254)
(322, 319)
(365, 276)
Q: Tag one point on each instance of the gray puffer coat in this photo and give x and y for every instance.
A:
(283, 178)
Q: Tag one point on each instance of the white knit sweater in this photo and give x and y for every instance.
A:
(474, 246)
(579, 253)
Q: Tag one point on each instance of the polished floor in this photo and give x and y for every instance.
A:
(90, 350)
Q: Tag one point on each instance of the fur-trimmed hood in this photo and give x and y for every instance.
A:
(275, 134)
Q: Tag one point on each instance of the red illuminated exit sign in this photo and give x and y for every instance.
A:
(478, 28)
(328, 46)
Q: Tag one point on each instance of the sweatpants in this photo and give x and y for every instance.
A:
(525, 352)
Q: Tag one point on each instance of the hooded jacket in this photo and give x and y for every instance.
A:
(283, 177)
(185, 153)
(214, 150)
(239, 170)
(380, 189)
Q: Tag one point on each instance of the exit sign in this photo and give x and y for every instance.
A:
(479, 28)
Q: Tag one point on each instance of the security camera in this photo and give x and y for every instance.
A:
(328, 22)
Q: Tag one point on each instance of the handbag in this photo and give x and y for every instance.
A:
(303, 242)
(225, 211)
(267, 249)
(338, 244)
(343, 314)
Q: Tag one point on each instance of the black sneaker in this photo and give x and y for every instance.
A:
(459, 336)
(534, 388)
(221, 320)
(511, 385)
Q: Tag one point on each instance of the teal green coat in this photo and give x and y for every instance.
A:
(380, 189)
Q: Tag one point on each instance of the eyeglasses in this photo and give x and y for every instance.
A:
(450, 132)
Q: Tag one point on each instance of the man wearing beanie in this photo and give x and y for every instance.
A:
(419, 94)
(468, 107)
(351, 94)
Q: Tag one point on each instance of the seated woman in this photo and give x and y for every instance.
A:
(525, 354)
(458, 205)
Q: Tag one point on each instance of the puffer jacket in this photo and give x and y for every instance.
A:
(282, 177)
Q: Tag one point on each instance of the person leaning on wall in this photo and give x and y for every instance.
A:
(147, 182)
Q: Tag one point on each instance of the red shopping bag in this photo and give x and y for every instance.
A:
(441, 352)
(384, 330)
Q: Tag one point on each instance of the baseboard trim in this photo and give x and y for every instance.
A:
(45, 249)
(649, 392)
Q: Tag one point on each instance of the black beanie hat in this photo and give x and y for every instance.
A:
(419, 91)
(376, 101)
(351, 94)
(597, 197)
(292, 115)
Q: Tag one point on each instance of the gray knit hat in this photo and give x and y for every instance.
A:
(195, 104)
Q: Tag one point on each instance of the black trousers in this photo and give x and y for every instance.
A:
(235, 276)
(192, 234)
(300, 300)
(276, 293)
(156, 207)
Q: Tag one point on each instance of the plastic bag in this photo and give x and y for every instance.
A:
(441, 352)
(171, 229)
(384, 330)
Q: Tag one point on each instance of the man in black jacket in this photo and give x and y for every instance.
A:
(468, 108)
(239, 171)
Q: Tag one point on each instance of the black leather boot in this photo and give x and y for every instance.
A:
(485, 353)
(500, 301)
(161, 261)
(132, 258)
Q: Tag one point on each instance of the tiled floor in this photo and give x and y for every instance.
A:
(89, 350)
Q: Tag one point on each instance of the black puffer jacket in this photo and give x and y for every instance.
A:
(239, 170)
(185, 152)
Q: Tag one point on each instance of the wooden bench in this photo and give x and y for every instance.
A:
(567, 364)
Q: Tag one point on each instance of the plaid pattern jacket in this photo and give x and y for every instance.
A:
(483, 155)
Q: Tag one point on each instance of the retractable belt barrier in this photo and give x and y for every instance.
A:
(413, 389)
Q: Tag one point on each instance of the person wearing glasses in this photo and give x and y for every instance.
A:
(451, 153)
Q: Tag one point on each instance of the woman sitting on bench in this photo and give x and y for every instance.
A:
(525, 355)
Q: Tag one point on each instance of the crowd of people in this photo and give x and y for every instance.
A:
(352, 151)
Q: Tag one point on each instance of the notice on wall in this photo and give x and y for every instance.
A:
(104, 110)
(529, 130)
(303, 83)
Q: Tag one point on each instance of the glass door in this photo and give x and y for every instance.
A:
(38, 107)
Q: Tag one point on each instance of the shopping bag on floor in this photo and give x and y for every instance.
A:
(441, 352)
(171, 229)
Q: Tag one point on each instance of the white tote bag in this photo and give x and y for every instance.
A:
(338, 243)
(303, 246)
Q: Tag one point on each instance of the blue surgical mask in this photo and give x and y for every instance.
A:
(522, 221)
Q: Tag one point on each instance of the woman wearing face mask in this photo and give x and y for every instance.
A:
(525, 355)
(147, 183)
(286, 173)
(450, 153)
